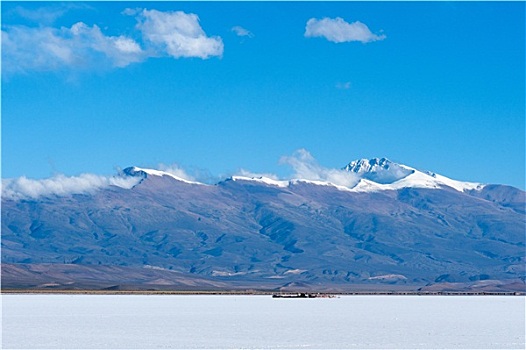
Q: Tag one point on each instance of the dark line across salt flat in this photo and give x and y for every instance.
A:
(183, 292)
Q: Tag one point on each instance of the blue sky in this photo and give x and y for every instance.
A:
(216, 87)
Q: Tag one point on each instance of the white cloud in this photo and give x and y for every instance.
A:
(131, 11)
(120, 50)
(178, 34)
(44, 48)
(343, 85)
(42, 14)
(47, 14)
(81, 46)
(61, 185)
(307, 168)
(175, 170)
(240, 31)
(338, 30)
(127, 45)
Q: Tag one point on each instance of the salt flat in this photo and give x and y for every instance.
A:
(190, 321)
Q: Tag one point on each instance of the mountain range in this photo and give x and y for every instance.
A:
(378, 226)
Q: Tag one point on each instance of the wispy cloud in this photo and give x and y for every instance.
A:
(81, 46)
(61, 185)
(176, 170)
(343, 85)
(178, 34)
(307, 168)
(131, 11)
(240, 31)
(338, 30)
(46, 15)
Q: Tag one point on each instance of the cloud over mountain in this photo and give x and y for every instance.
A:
(307, 168)
(23, 188)
(177, 171)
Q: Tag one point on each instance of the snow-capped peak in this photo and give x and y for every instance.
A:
(143, 172)
(382, 174)
(379, 170)
(368, 165)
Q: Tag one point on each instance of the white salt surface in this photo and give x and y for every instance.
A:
(226, 322)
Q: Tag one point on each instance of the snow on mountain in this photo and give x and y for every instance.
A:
(458, 185)
(376, 174)
(379, 170)
(363, 175)
(136, 171)
(287, 183)
(417, 180)
(382, 174)
(320, 183)
(262, 179)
